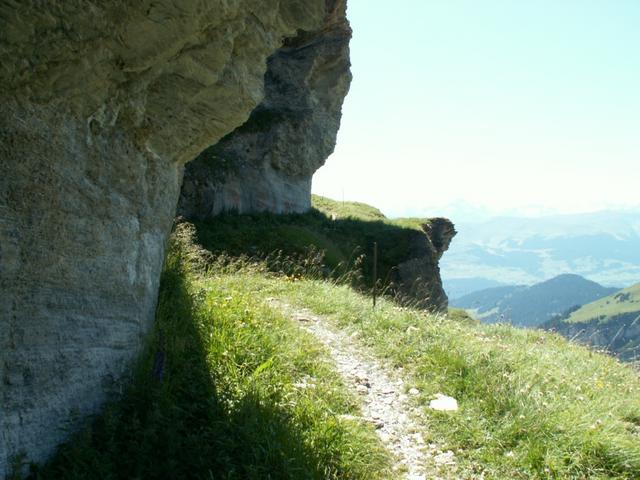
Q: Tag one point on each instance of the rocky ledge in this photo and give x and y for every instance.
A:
(267, 163)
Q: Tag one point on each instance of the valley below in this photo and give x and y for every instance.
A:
(603, 247)
(565, 274)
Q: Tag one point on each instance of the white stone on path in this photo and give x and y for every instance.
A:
(444, 403)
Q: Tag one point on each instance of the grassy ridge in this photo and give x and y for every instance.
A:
(611, 324)
(357, 210)
(227, 389)
(603, 310)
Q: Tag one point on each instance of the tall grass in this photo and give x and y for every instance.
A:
(339, 247)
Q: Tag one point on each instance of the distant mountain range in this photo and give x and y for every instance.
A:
(603, 247)
(611, 323)
(530, 306)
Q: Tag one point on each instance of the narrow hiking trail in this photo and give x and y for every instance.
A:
(383, 401)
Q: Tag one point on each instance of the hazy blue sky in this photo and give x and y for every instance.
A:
(510, 106)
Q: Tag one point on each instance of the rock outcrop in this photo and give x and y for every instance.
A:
(418, 279)
(267, 163)
(101, 104)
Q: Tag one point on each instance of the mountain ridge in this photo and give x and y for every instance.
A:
(530, 306)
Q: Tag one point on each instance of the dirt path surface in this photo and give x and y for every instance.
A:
(384, 402)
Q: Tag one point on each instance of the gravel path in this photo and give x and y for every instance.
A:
(383, 402)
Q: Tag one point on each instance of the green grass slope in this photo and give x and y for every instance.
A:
(607, 308)
(532, 405)
(356, 210)
(611, 323)
(227, 404)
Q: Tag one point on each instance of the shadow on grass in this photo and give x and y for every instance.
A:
(174, 422)
(315, 245)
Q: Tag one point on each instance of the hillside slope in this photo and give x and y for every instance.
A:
(611, 323)
(534, 305)
(256, 397)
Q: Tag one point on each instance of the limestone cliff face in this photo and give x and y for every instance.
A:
(267, 163)
(179, 75)
(101, 103)
(418, 279)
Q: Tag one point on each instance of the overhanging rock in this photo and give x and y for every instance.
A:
(267, 163)
(101, 104)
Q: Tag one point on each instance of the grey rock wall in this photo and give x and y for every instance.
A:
(101, 104)
(267, 163)
(83, 224)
